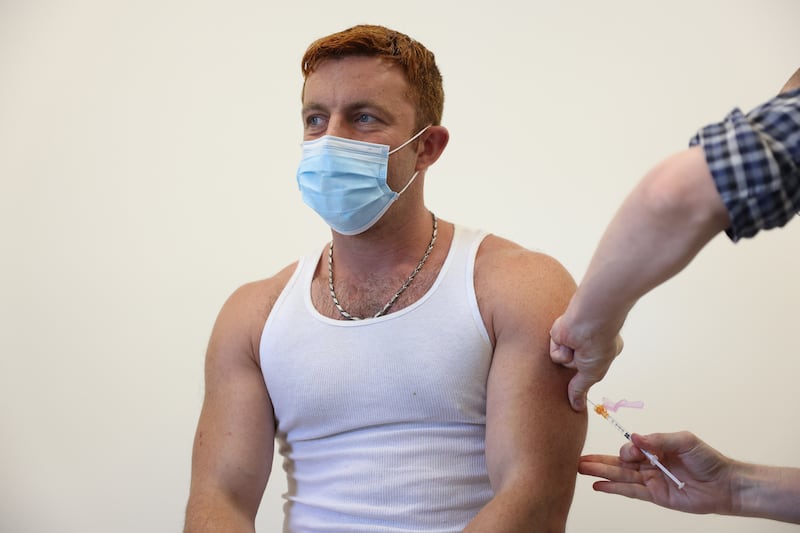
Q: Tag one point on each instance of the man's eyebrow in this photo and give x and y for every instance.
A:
(353, 106)
(367, 104)
(312, 106)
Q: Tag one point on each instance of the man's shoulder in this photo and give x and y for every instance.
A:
(510, 277)
(255, 299)
(498, 252)
(274, 283)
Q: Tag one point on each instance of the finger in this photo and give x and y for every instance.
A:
(597, 458)
(605, 467)
(561, 355)
(629, 490)
(577, 389)
(660, 443)
(631, 453)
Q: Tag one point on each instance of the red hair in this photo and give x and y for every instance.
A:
(417, 62)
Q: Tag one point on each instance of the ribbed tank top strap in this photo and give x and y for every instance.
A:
(294, 302)
(459, 274)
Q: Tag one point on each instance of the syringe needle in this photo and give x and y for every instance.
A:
(602, 411)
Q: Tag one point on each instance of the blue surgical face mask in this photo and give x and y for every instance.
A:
(344, 181)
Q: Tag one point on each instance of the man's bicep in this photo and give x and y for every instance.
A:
(234, 442)
(531, 429)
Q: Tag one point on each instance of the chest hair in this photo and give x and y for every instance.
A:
(365, 297)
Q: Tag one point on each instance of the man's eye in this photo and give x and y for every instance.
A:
(313, 121)
(363, 118)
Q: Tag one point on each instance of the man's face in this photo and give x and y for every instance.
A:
(366, 99)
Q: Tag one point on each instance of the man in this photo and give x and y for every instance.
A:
(403, 369)
(742, 176)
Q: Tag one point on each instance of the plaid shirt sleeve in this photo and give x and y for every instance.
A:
(755, 162)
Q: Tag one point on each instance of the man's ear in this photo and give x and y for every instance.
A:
(431, 145)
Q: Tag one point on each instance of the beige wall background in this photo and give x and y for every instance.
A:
(147, 159)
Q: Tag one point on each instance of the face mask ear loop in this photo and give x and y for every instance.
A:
(420, 132)
(409, 183)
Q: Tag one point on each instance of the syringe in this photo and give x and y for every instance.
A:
(602, 411)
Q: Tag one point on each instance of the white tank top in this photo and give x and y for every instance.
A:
(381, 422)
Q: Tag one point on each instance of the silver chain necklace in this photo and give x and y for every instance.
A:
(400, 291)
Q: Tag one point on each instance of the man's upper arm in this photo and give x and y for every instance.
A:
(533, 437)
(233, 448)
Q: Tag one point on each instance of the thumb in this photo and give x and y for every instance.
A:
(577, 389)
(661, 443)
